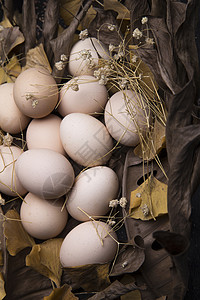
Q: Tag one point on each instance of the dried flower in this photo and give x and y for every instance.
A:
(122, 202)
(145, 210)
(59, 65)
(74, 87)
(63, 57)
(113, 203)
(34, 103)
(84, 54)
(134, 58)
(144, 20)
(149, 41)
(124, 83)
(111, 48)
(111, 27)
(29, 96)
(137, 34)
(83, 34)
(7, 140)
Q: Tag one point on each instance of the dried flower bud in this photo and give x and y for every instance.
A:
(122, 202)
(137, 34)
(7, 140)
(113, 203)
(63, 57)
(59, 65)
(111, 27)
(83, 34)
(144, 20)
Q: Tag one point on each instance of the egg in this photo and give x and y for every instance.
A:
(85, 139)
(45, 173)
(82, 94)
(9, 181)
(35, 92)
(91, 193)
(85, 55)
(12, 120)
(43, 219)
(88, 243)
(124, 126)
(45, 133)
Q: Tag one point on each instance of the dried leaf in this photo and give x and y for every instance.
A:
(155, 142)
(37, 57)
(89, 17)
(149, 200)
(89, 277)
(123, 12)
(1, 258)
(10, 38)
(130, 258)
(2, 289)
(136, 295)
(17, 238)
(44, 258)
(6, 23)
(62, 293)
(69, 9)
(10, 71)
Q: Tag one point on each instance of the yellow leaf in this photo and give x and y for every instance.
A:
(45, 259)
(10, 71)
(123, 12)
(2, 289)
(69, 9)
(153, 200)
(136, 295)
(6, 23)
(90, 15)
(16, 237)
(37, 57)
(62, 293)
(153, 143)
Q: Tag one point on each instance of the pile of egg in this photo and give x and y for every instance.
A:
(62, 128)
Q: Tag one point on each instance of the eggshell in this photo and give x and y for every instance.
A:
(35, 92)
(9, 182)
(43, 219)
(92, 192)
(88, 243)
(12, 120)
(90, 97)
(79, 60)
(122, 125)
(85, 139)
(45, 173)
(45, 133)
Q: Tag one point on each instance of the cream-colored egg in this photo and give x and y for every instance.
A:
(45, 133)
(84, 56)
(45, 173)
(12, 120)
(85, 139)
(92, 192)
(88, 243)
(127, 116)
(82, 94)
(35, 92)
(43, 219)
(9, 182)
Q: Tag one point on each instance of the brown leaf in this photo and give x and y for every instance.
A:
(89, 277)
(37, 57)
(1, 258)
(123, 12)
(149, 200)
(130, 258)
(16, 237)
(44, 258)
(2, 289)
(153, 143)
(69, 9)
(62, 293)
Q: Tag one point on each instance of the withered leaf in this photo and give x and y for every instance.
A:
(153, 143)
(1, 258)
(129, 259)
(149, 200)
(44, 258)
(10, 71)
(17, 238)
(62, 293)
(89, 277)
(123, 12)
(69, 9)
(115, 290)
(136, 295)
(37, 57)
(2, 289)
(10, 38)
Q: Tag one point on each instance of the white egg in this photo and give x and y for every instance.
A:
(88, 243)
(12, 120)
(82, 94)
(85, 139)
(45, 133)
(85, 55)
(126, 117)
(45, 173)
(9, 181)
(43, 219)
(92, 192)
(35, 92)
